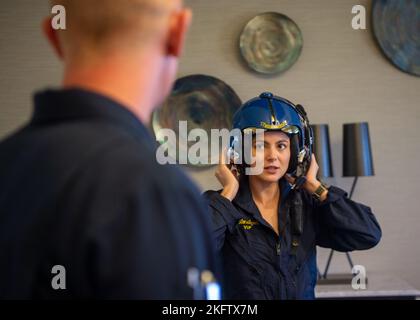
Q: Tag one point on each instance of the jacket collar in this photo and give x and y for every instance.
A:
(53, 106)
(245, 201)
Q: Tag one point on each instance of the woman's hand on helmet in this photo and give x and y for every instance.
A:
(312, 183)
(312, 173)
(227, 175)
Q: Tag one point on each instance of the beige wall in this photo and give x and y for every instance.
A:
(340, 77)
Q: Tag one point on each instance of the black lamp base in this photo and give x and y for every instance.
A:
(337, 279)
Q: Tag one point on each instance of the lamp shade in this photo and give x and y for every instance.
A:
(357, 153)
(322, 150)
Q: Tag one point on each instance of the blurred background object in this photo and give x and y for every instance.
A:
(396, 26)
(271, 43)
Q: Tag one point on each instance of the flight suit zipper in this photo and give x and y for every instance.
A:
(278, 248)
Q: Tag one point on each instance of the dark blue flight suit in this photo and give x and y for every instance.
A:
(259, 264)
(80, 187)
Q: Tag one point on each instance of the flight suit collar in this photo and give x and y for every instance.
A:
(245, 201)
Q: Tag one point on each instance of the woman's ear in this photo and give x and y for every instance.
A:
(52, 36)
(178, 30)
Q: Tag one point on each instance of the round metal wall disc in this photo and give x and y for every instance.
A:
(271, 43)
(204, 102)
(396, 25)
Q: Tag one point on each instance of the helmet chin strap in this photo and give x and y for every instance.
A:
(297, 207)
(301, 170)
(299, 182)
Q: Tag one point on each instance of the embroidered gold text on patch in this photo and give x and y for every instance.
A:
(247, 223)
(275, 125)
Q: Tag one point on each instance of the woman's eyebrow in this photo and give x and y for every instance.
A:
(278, 141)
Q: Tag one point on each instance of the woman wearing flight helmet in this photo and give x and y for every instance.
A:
(267, 226)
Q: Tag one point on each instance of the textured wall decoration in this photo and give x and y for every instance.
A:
(271, 43)
(204, 102)
(396, 25)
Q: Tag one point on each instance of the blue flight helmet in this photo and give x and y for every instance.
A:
(270, 113)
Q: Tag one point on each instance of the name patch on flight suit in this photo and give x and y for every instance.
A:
(247, 223)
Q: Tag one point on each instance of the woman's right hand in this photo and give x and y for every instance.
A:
(228, 177)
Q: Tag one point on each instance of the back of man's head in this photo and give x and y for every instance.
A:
(103, 24)
(126, 49)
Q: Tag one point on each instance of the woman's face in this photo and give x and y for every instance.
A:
(274, 150)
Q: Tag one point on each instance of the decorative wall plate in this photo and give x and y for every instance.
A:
(396, 26)
(205, 103)
(271, 43)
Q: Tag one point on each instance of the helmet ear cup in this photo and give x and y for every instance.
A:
(294, 153)
(233, 154)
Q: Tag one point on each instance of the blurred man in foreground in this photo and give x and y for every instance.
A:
(85, 210)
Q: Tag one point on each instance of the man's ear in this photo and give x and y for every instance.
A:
(52, 36)
(178, 31)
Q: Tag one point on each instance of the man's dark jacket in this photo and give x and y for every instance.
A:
(80, 187)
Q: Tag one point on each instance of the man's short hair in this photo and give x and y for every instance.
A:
(96, 22)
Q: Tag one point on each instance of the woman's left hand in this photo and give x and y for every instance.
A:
(311, 174)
